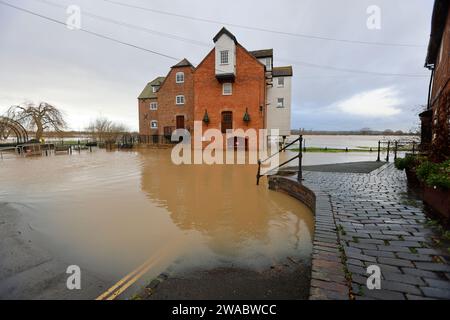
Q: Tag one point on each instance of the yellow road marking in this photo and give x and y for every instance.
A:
(134, 275)
(125, 279)
(132, 280)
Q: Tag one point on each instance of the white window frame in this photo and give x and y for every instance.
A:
(153, 122)
(179, 100)
(268, 64)
(179, 74)
(230, 86)
(224, 54)
(153, 105)
(280, 85)
(155, 89)
(280, 102)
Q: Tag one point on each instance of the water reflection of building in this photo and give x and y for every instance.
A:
(223, 203)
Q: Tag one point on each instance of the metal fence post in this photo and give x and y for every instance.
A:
(395, 150)
(300, 174)
(387, 155)
(379, 147)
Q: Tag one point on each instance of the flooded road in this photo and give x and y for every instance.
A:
(108, 212)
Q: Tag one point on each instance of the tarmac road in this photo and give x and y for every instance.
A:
(28, 271)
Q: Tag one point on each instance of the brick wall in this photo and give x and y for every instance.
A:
(440, 98)
(146, 115)
(442, 68)
(248, 92)
(167, 107)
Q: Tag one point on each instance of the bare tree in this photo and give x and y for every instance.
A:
(104, 130)
(39, 117)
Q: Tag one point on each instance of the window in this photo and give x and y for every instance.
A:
(224, 57)
(154, 124)
(179, 77)
(155, 89)
(268, 64)
(227, 89)
(153, 106)
(179, 100)
(280, 103)
(280, 82)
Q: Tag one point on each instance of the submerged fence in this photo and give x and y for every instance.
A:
(394, 147)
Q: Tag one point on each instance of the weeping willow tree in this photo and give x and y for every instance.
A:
(38, 117)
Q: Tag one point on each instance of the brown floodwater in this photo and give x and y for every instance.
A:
(110, 211)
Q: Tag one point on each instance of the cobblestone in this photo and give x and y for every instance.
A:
(373, 221)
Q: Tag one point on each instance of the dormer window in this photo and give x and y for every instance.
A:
(155, 89)
(179, 77)
(224, 57)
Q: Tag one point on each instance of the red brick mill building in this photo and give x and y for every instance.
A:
(231, 88)
(436, 118)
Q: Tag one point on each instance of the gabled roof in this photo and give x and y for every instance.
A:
(282, 71)
(183, 63)
(438, 20)
(148, 93)
(262, 53)
(222, 32)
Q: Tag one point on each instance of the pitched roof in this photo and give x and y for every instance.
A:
(183, 63)
(222, 32)
(148, 93)
(282, 71)
(262, 53)
(438, 20)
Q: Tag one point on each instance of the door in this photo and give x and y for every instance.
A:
(180, 122)
(227, 121)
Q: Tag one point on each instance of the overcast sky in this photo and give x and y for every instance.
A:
(87, 76)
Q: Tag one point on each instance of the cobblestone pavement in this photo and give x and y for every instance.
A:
(370, 219)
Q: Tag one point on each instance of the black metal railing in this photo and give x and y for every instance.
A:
(298, 156)
(394, 147)
(155, 139)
